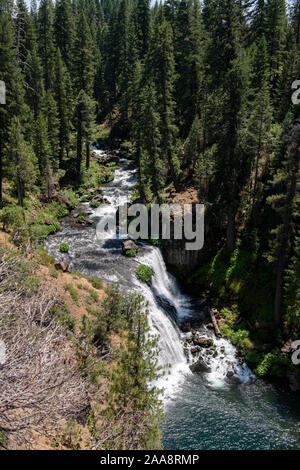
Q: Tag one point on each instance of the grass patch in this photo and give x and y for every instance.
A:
(73, 293)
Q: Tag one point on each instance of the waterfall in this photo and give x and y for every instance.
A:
(167, 304)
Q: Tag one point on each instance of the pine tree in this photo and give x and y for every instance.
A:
(148, 141)
(11, 76)
(134, 374)
(142, 17)
(292, 291)
(46, 40)
(160, 65)
(23, 158)
(284, 201)
(84, 120)
(50, 111)
(260, 120)
(63, 105)
(64, 30)
(276, 22)
(296, 21)
(83, 57)
(41, 145)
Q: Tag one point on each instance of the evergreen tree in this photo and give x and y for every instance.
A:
(292, 291)
(83, 57)
(134, 375)
(23, 158)
(142, 26)
(64, 104)
(46, 40)
(161, 66)
(64, 30)
(11, 76)
(284, 201)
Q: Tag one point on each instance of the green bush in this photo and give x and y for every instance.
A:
(273, 364)
(73, 293)
(71, 195)
(64, 317)
(11, 216)
(64, 248)
(144, 273)
(96, 283)
(130, 253)
(95, 204)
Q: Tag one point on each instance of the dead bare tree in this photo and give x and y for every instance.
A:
(40, 383)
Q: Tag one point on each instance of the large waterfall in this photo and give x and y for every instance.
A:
(167, 304)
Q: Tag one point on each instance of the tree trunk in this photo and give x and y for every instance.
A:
(285, 235)
(1, 170)
(231, 232)
(79, 147)
(87, 160)
(215, 323)
(20, 190)
(278, 292)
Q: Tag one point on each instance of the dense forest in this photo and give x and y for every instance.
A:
(200, 92)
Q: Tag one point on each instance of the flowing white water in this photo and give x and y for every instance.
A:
(167, 304)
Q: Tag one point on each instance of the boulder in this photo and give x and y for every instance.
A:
(199, 367)
(64, 199)
(195, 350)
(203, 342)
(98, 198)
(62, 266)
(50, 221)
(294, 381)
(129, 245)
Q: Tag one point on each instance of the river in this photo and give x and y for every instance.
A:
(206, 411)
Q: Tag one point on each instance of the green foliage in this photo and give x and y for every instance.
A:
(95, 203)
(12, 216)
(144, 273)
(73, 292)
(63, 315)
(274, 363)
(130, 253)
(96, 283)
(71, 195)
(231, 330)
(64, 248)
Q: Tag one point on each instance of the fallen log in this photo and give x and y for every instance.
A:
(215, 323)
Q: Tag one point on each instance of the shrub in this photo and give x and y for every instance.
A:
(64, 317)
(71, 195)
(12, 216)
(96, 283)
(274, 363)
(130, 253)
(73, 293)
(95, 203)
(144, 273)
(64, 248)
